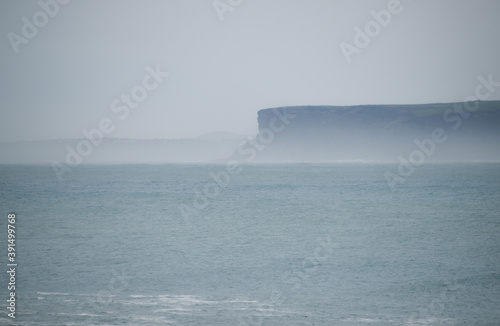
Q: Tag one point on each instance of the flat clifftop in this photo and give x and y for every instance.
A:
(423, 115)
(379, 132)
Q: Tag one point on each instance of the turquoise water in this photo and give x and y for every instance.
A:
(282, 244)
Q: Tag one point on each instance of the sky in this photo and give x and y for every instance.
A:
(193, 67)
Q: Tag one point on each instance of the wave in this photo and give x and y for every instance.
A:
(52, 293)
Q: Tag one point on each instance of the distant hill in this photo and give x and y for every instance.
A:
(469, 132)
(119, 150)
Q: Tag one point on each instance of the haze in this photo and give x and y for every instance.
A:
(221, 72)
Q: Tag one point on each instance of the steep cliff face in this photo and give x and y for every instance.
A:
(444, 132)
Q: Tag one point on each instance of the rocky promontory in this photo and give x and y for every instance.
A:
(468, 131)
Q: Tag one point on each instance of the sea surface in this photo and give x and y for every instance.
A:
(269, 244)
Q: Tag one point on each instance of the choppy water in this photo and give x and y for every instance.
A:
(284, 244)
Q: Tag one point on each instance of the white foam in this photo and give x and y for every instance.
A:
(154, 319)
(52, 293)
(369, 320)
(79, 314)
(431, 321)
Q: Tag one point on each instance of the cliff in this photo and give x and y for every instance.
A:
(459, 132)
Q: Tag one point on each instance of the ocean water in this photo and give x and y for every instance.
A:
(274, 244)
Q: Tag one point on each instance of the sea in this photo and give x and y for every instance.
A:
(253, 244)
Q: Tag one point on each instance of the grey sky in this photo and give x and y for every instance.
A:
(265, 53)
